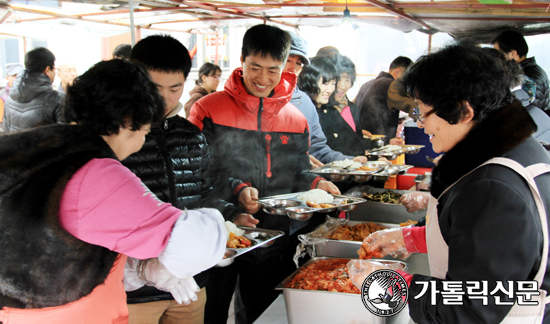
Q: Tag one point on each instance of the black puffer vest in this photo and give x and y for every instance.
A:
(42, 265)
(173, 163)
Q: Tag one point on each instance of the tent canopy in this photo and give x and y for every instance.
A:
(478, 19)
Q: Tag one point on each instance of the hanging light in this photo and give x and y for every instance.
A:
(347, 15)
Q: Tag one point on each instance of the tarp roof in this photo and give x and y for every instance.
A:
(479, 19)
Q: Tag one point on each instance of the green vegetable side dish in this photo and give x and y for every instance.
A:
(387, 196)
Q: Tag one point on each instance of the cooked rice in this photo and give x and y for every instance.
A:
(346, 163)
(230, 227)
(316, 195)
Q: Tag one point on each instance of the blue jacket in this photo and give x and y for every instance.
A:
(319, 148)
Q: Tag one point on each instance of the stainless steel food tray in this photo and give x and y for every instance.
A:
(335, 173)
(392, 154)
(260, 237)
(315, 306)
(343, 248)
(269, 204)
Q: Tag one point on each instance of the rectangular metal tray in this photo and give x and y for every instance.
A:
(343, 248)
(294, 196)
(405, 149)
(336, 173)
(383, 212)
(258, 238)
(314, 306)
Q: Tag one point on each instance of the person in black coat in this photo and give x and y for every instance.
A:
(174, 164)
(339, 120)
(514, 47)
(485, 223)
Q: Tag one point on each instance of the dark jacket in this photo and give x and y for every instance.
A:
(32, 102)
(379, 104)
(319, 148)
(195, 94)
(261, 142)
(41, 264)
(537, 74)
(174, 164)
(489, 218)
(340, 135)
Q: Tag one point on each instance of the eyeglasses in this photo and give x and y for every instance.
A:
(216, 76)
(421, 117)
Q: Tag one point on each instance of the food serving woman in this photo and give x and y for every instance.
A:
(487, 217)
(70, 212)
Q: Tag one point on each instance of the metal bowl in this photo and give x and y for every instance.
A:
(332, 174)
(228, 258)
(362, 177)
(381, 176)
(300, 213)
(278, 206)
(346, 208)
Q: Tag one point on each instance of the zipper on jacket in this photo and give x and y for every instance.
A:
(268, 150)
(161, 140)
(261, 188)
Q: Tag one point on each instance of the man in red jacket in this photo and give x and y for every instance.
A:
(259, 143)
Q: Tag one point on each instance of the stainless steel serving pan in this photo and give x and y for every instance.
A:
(314, 306)
(343, 248)
(259, 237)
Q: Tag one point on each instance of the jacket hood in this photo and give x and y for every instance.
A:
(280, 96)
(29, 85)
(384, 75)
(492, 137)
(198, 89)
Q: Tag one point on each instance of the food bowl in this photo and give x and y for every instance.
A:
(362, 177)
(278, 206)
(346, 207)
(300, 213)
(381, 176)
(228, 258)
(332, 174)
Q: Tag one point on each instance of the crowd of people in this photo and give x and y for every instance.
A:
(129, 197)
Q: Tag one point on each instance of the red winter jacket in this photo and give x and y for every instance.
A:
(274, 160)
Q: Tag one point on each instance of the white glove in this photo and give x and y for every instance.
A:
(155, 274)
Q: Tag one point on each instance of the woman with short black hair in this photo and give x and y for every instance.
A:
(74, 212)
(490, 193)
(340, 123)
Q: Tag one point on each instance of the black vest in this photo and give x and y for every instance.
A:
(41, 264)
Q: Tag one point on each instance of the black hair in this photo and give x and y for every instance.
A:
(122, 51)
(266, 40)
(318, 68)
(38, 59)
(329, 52)
(206, 70)
(512, 40)
(400, 62)
(162, 53)
(345, 65)
(460, 73)
(112, 94)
